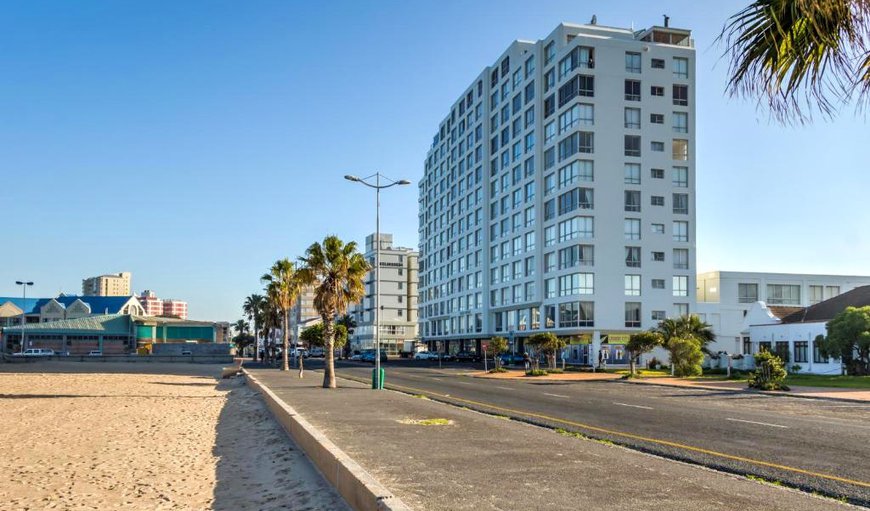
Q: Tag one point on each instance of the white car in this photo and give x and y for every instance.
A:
(95, 353)
(426, 355)
(35, 352)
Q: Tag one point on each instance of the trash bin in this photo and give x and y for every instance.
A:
(377, 383)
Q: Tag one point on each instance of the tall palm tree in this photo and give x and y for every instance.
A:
(271, 321)
(283, 286)
(800, 54)
(241, 326)
(337, 271)
(253, 309)
(689, 327)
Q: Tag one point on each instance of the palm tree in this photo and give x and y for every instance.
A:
(337, 271)
(253, 309)
(350, 324)
(241, 326)
(283, 286)
(796, 54)
(271, 321)
(689, 327)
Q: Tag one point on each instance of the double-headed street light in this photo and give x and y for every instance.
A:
(23, 284)
(376, 381)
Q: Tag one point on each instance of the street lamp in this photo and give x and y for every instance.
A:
(23, 284)
(378, 384)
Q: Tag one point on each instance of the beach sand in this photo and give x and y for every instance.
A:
(142, 436)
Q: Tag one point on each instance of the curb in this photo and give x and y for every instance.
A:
(358, 488)
(744, 391)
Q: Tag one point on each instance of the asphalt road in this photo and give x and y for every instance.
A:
(815, 445)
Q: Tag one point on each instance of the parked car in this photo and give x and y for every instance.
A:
(468, 356)
(511, 358)
(34, 352)
(369, 356)
(356, 356)
(95, 353)
(298, 352)
(426, 355)
(317, 352)
(446, 357)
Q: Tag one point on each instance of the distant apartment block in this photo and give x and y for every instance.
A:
(303, 314)
(398, 298)
(118, 284)
(726, 297)
(169, 307)
(559, 194)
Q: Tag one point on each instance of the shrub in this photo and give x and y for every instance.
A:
(769, 372)
(654, 363)
(498, 370)
(686, 355)
(536, 372)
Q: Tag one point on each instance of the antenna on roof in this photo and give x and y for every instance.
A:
(594, 20)
(667, 20)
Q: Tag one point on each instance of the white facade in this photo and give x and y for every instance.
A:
(398, 298)
(558, 192)
(725, 298)
(303, 314)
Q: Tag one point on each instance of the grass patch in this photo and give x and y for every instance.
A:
(555, 371)
(643, 373)
(420, 396)
(502, 417)
(835, 382)
(763, 480)
(536, 372)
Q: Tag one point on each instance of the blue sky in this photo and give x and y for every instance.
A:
(193, 143)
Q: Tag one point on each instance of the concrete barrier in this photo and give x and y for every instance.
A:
(358, 488)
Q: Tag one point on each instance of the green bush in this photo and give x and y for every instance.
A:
(769, 372)
(555, 371)
(498, 370)
(536, 372)
(686, 355)
(653, 363)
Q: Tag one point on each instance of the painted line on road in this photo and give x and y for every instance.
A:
(634, 406)
(556, 395)
(464, 382)
(756, 422)
(503, 388)
(623, 434)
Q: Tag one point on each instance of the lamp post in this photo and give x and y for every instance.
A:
(378, 187)
(23, 284)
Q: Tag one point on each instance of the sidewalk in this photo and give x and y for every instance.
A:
(471, 461)
(858, 395)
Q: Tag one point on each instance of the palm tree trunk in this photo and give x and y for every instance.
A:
(329, 342)
(631, 363)
(284, 353)
(256, 347)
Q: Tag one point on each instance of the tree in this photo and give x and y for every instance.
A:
(800, 54)
(686, 356)
(769, 372)
(548, 344)
(350, 324)
(253, 309)
(337, 270)
(313, 335)
(283, 286)
(849, 339)
(271, 319)
(241, 326)
(242, 339)
(640, 343)
(496, 346)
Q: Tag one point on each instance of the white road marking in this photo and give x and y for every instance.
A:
(634, 406)
(503, 388)
(556, 395)
(755, 422)
(464, 382)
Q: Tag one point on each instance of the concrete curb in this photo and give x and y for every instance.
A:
(358, 488)
(743, 391)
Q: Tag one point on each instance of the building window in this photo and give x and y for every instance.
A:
(657, 63)
(632, 200)
(580, 57)
(632, 285)
(632, 118)
(657, 91)
(632, 257)
(681, 231)
(632, 62)
(657, 228)
(549, 262)
(817, 354)
(681, 68)
(681, 285)
(581, 114)
(681, 95)
(681, 258)
(658, 147)
(680, 122)
(657, 173)
(681, 203)
(632, 314)
(680, 177)
(576, 284)
(657, 315)
(580, 170)
(632, 90)
(800, 351)
(747, 293)
(632, 173)
(831, 291)
(680, 149)
(549, 52)
(783, 294)
(656, 118)
(781, 351)
(657, 200)
(632, 228)
(658, 283)
(632, 145)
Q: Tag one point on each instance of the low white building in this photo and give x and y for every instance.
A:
(724, 299)
(793, 336)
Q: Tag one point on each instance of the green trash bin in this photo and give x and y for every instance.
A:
(376, 384)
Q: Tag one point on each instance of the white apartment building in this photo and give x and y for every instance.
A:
(117, 284)
(558, 194)
(398, 298)
(303, 314)
(726, 297)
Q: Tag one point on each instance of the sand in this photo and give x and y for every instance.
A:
(141, 436)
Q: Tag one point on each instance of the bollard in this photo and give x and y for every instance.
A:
(377, 383)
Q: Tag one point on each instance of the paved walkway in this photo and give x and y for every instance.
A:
(471, 461)
(740, 386)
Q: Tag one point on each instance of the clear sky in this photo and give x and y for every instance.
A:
(193, 143)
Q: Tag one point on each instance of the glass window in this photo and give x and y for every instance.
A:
(783, 294)
(632, 257)
(800, 351)
(657, 147)
(657, 64)
(632, 90)
(632, 315)
(632, 228)
(549, 52)
(657, 173)
(632, 173)
(656, 118)
(632, 118)
(632, 145)
(632, 62)
(680, 149)
(681, 68)
(632, 285)
(657, 91)
(681, 95)
(681, 258)
(681, 231)
(681, 204)
(576, 284)
(549, 132)
(681, 285)
(658, 228)
(632, 200)
(747, 293)
(680, 177)
(658, 283)
(680, 122)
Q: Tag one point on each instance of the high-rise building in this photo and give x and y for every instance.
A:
(151, 303)
(558, 194)
(398, 299)
(117, 284)
(173, 308)
(303, 314)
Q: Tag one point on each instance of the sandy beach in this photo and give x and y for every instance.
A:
(142, 436)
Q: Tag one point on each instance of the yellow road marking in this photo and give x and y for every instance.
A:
(668, 443)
